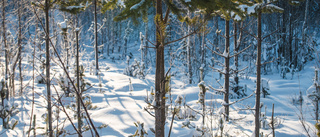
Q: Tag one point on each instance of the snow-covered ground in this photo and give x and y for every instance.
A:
(118, 107)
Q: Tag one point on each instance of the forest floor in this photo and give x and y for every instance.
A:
(118, 107)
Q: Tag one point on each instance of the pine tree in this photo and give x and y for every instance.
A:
(135, 9)
(260, 7)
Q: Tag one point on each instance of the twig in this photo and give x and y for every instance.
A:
(241, 51)
(149, 112)
(240, 99)
(218, 90)
(64, 110)
(65, 70)
(270, 61)
(218, 70)
(214, 46)
(194, 110)
(174, 113)
(214, 51)
(270, 34)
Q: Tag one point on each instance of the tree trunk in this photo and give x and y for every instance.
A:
(20, 46)
(159, 78)
(146, 41)
(189, 53)
(46, 10)
(257, 117)
(305, 22)
(227, 68)
(290, 37)
(78, 81)
(96, 36)
(236, 58)
(5, 46)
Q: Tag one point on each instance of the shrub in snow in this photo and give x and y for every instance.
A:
(187, 124)
(178, 110)
(313, 93)
(237, 91)
(40, 79)
(63, 83)
(7, 111)
(136, 69)
(140, 132)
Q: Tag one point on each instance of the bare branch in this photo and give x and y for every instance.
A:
(242, 99)
(149, 112)
(270, 33)
(218, 70)
(150, 42)
(64, 110)
(214, 51)
(195, 110)
(239, 70)
(218, 90)
(254, 36)
(181, 37)
(270, 61)
(241, 51)
(215, 46)
(166, 16)
(68, 76)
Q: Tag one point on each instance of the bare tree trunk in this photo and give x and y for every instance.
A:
(227, 69)
(236, 58)
(257, 117)
(159, 78)
(5, 46)
(189, 53)
(46, 10)
(20, 46)
(305, 22)
(96, 36)
(146, 41)
(78, 80)
(272, 121)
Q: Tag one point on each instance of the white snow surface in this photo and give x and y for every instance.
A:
(136, 6)
(119, 109)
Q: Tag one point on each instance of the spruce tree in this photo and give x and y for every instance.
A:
(136, 8)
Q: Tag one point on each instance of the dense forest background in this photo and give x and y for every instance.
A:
(227, 45)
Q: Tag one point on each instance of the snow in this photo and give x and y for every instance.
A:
(136, 6)
(74, 7)
(63, 24)
(237, 18)
(119, 110)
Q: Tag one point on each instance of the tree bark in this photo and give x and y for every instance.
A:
(159, 78)
(227, 68)
(46, 10)
(236, 58)
(78, 82)
(257, 117)
(146, 41)
(20, 46)
(96, 36)
(5, 46)
(189, 53)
